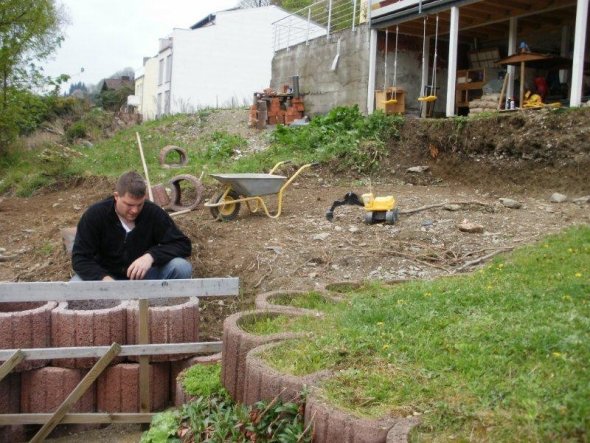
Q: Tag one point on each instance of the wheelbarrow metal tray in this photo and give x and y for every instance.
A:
(251, 184)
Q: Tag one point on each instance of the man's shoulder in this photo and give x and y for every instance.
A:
(100, 207)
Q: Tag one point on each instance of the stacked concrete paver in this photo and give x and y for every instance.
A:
(41, 386)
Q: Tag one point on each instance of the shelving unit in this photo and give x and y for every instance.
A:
(381, 96)
(470, 83)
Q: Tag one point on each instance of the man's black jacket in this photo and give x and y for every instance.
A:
(102, 247)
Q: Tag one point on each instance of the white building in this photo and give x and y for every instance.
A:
(146, 84)
(219, 62)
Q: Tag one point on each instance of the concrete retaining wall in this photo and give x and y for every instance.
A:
(26, 325)
(83, 324)
(322, 87)
(118, 387)
(43, 390)
(170, 321)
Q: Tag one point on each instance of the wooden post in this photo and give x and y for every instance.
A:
(77, 393)
(144, 360)
(10, 364)
(145, 169)
(521, 85)
(506, 80)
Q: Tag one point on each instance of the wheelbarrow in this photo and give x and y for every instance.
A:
(249, 188)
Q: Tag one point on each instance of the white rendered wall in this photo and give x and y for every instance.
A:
(150, 85)
(223, 64)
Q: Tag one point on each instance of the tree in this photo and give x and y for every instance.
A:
(29, 33)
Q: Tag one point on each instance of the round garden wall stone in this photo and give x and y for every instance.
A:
(170, 321)
(331, 425)
(118, 387)
(26, 325)
(236, 345)
(87, 323)
(269, 300)
(43, 390)
(262, 382)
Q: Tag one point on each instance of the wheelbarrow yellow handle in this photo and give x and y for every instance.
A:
(279, 164)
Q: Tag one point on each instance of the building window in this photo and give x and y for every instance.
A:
(161, 72)
(167, 102)
(159, 105)
(169, 68)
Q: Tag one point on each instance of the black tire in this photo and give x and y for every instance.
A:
(228, 211)
(176, 195)
(390, 217)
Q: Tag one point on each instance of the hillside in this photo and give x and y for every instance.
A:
(472, 163)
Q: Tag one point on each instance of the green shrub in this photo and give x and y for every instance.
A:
(76, 130)
(202, 380)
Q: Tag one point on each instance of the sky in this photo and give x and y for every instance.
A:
(106, 36)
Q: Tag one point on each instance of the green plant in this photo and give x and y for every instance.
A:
(223, 146)
(76, 130)
(163, 429)
(202, 380)
(218, 419)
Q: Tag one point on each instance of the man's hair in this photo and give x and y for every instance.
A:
(132, 183)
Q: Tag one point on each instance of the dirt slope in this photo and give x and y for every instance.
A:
(301, 249)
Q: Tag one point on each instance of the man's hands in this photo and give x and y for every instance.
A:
(139, 268)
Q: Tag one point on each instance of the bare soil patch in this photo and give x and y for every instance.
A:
(526, 157)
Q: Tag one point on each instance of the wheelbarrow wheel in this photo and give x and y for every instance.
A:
(229, 210)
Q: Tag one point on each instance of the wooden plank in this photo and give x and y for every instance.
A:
(144, 360)
(77, 393)
(118, 290)
(76, 418)
(11, 363)
(211, 347)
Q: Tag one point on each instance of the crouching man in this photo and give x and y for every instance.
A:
(128, 237)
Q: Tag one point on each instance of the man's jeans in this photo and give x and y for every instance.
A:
(174, 269)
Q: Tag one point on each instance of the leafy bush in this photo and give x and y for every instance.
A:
(76, 130)
(356, 141)
(219, 419)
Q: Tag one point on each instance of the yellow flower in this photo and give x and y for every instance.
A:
(578, 274)
(545, 245)
(385, 347)
(556, 354)
(379, 323)
(566, 297)
(501, 265)
(428, 294)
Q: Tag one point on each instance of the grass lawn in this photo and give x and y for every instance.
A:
(500, 355)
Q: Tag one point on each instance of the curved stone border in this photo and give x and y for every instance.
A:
(118, 387)
(237, 343)
(343, 287)
(26, 325)
(10, 404)
(43, 390)
(173, 323)
(265, 301)
(164, 154)
(263, 382)
(72, 326)
(330, 424)
(10, 394)
(176, 201)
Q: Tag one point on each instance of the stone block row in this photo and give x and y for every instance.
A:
(249, 379)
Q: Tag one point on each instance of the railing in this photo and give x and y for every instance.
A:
(321, 19)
